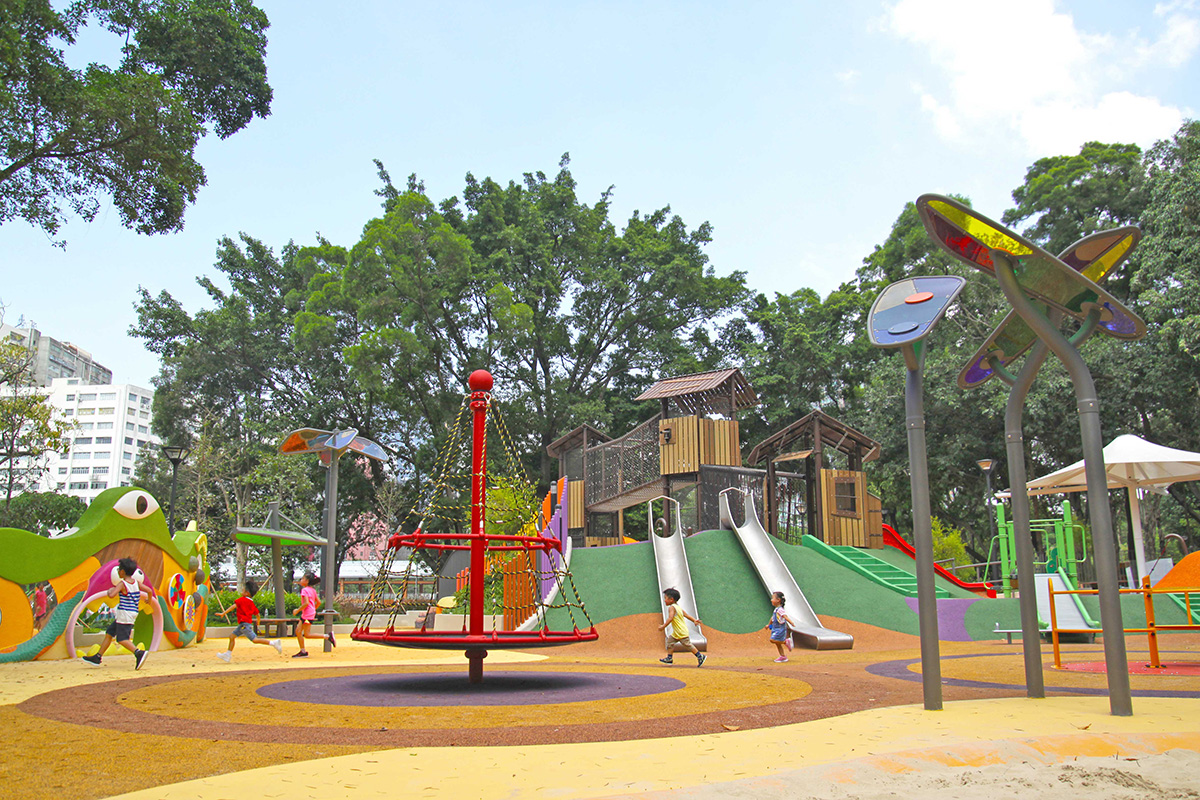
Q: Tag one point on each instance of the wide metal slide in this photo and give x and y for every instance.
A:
(670, 560)
(807, 629)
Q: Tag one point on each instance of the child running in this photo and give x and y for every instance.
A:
(308, 612)
(679, 633)
(778, 626)
(121, 629)
(247, 612)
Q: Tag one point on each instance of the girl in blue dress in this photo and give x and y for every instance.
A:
(781, 637)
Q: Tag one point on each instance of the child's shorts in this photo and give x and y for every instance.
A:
(120, 631)
(686, 641)
(246, 629)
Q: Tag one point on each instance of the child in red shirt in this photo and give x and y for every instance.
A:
(246, 613)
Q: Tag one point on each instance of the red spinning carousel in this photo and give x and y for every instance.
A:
(541, 552)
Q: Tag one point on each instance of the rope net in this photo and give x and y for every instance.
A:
(515, 557)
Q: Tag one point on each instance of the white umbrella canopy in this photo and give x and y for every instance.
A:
(1133, 463)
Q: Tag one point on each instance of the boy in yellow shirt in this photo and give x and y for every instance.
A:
(679, 633)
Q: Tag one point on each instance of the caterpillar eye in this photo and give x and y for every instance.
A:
(136, 505)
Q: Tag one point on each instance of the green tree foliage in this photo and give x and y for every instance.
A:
(42, 513)
(29, 429)
(68, 136)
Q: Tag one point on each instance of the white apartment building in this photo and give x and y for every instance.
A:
(112, 427)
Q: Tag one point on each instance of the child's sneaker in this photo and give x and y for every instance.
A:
(226, 656)
(278, 645)
(139, 658)
(700, 659)
(332, 640)
(781, 660)
(667, 660)
(301, 654)
(788, 643)
(94, 660)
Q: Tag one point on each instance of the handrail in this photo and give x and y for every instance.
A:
(1152, 627)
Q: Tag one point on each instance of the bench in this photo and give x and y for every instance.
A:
(282, 626)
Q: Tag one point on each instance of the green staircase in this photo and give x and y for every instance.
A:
(870, 567)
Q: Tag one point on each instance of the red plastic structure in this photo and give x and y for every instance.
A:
(890, 537)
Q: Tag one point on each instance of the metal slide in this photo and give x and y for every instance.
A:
(671, 562)
(1068, 610)
(807, 630)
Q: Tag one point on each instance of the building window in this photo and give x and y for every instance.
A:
(143, 429)
(131, 412)
(127, 456)
(99, 484)
(83, 440)
(845, 497)
(142, 443)
(77, 470)
(62, 470)
(103, 454)
(104, 426)
(128, 440)
(108, 396)
(75, 487)
(108, 410)
(144, 415)
(70, 397)
(81, 456)
(86, 426)
(133, 398)
(83, 397)
(70, 412)
(103, 440)
(124, 470)
(129, 426)
(99, 470)
(86, 411)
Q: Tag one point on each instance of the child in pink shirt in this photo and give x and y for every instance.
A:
(308, 612)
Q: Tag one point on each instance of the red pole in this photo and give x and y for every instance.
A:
(480, 382)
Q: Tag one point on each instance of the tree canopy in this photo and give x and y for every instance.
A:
(69, 136)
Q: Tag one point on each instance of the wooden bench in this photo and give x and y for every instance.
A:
(282, 626)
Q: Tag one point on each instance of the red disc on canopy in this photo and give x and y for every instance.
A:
(919, 297)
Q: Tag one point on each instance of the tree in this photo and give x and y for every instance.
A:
(68, 135)
(28, 426)
(42, 513)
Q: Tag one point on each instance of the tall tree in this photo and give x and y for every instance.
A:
(68, 136)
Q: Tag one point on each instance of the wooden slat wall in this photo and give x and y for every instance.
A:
(682, 454)
(842, 530)
(874, 522)
(575, 505)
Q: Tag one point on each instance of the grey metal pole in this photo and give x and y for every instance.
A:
(1099, 515)
(1014, 444)
(918, 465)
(330, 545)
(171, 508)
(276, 557)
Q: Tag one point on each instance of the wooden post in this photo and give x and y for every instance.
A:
(1151, 630)
(818, 490)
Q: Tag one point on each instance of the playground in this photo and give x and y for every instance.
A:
(524, 638)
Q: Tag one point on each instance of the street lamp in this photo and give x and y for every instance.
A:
(175, 455)
(989, 466)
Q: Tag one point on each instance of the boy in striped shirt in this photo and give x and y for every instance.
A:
(121, 630)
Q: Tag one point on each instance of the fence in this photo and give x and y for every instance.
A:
(791, 515)
(615, 467)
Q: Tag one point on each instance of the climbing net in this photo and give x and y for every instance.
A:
(486, 563)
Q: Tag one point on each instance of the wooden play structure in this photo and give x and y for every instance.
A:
(811, 479)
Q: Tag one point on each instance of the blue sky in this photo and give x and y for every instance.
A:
(797, 129)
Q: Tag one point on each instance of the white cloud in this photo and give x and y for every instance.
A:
(1024, 68)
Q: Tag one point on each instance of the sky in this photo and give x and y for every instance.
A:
(798, 129)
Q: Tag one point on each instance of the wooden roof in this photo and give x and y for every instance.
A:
(834, 434)
(575, 438)
(705, 391)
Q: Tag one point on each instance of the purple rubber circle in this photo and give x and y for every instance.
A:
(398, 689)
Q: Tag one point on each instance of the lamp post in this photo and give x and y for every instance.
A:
(175, 455)
(989, 466)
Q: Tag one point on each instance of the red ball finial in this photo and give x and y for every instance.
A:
(480, 381)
